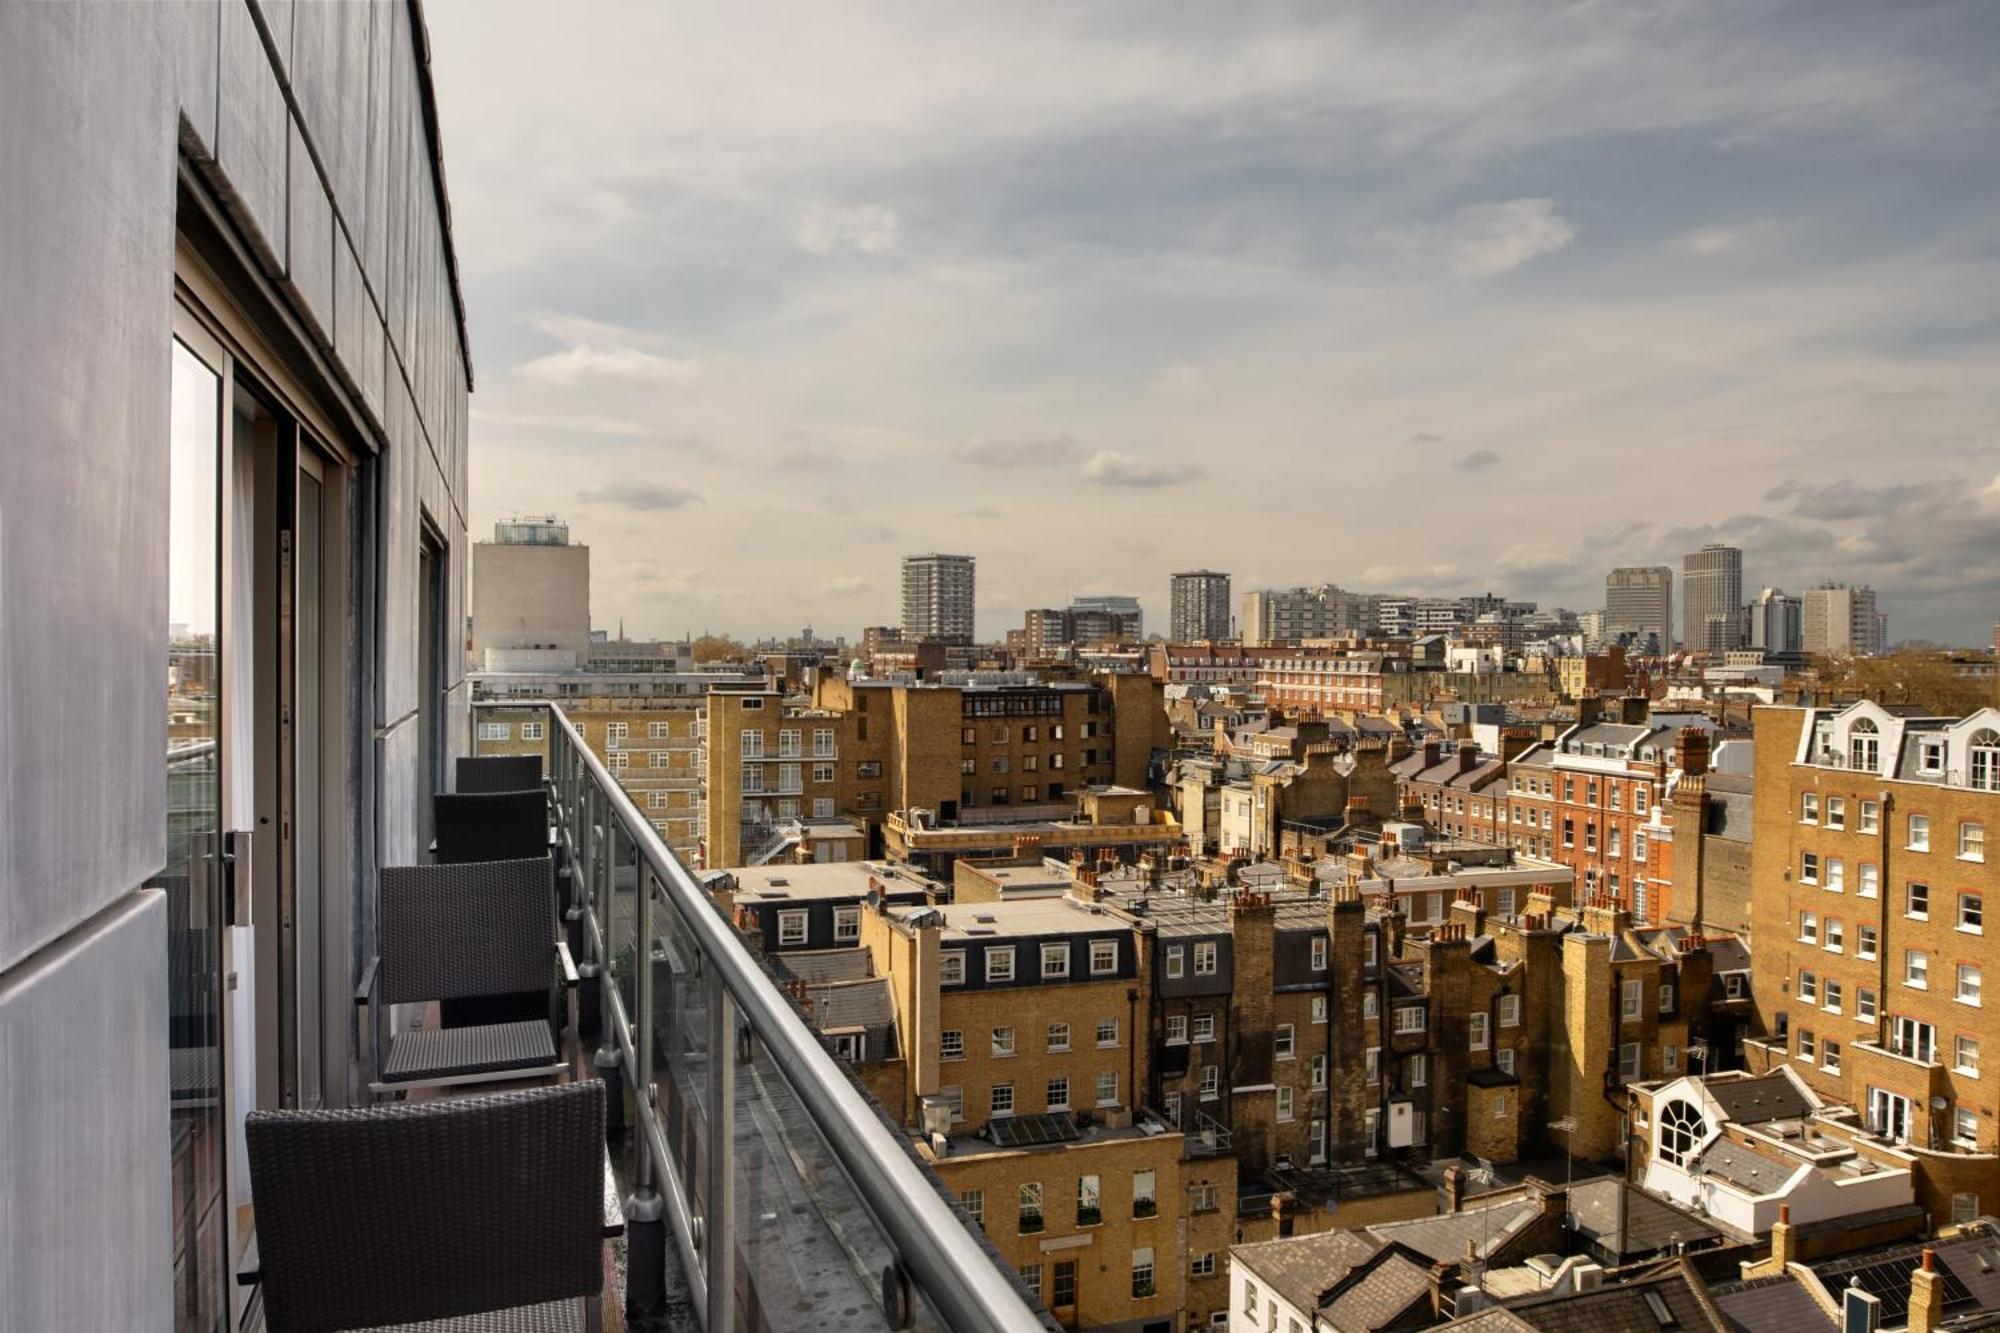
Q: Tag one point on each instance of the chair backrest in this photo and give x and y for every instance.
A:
(491, 826)
(499, 772)
(457, 931)
(410, 1211)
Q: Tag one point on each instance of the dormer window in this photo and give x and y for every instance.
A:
(1982, 767)
(1864, 746)
(1930, 756)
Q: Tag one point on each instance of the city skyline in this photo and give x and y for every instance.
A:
(1412, 267)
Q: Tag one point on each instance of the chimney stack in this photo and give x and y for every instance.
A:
(1927, 1295)
(1694, 751)
(1784, 1245)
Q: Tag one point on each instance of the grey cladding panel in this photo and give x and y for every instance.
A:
(329, 78)
(399, 796)
(194, 29)
(351, 311)
(311, 232)
(85, 1238)
(87, 134)
(371, 226)
(251, 138)
(399, 561)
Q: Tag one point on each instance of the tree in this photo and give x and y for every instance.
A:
(1924, 677)
(719, 648)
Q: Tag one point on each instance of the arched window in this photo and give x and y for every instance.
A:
(1983, 760)
(1864, 745)
(1681, 1131)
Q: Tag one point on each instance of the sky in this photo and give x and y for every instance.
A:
(1424, 298)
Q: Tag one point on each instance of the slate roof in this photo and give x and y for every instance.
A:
(1444, 1237)
(1651, 1226)
(1299, 1268)
(817, 967)
(1961, 1257)
(853, 1004)
(1393, 1283)
(1616, 1306)
(1745, 1168)
(1750, 1101)
(1769, 1302)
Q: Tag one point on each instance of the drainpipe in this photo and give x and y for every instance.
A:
(1132, 1042)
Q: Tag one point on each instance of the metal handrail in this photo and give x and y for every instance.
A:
(951, 1269)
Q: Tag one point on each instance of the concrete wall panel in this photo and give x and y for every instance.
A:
(85, 1232)
(399, 560)
(86, 253)
(371, 227)
(400, 795)
(195, 33)
(251, 136)
(351, 309)
(309, 229)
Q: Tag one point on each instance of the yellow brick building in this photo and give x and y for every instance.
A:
(1871, 868)
(864, 750)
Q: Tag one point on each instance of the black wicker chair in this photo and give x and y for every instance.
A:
(436, 1215)
(490, 825)
(461, 932)
(499, 772)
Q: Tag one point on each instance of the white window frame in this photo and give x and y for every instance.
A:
(1000, 962)
(1103, 958)
(793, 926)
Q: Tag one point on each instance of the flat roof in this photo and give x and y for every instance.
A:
(823, 880)
(1022, 918)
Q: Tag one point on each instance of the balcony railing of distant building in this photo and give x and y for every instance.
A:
(783, 1187)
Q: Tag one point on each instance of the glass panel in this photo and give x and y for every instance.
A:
(624, 942)
(677, 1031)
(805, 1239)
(306, 905)
(189, 878)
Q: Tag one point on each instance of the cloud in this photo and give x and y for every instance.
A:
(1426, 437)
(1031, 450)
(562, 425)
(871, 229)
(1486, 240)
(1706, 241)
(1479, 460)
(843, 585)
(1845, 499)
(645, 496)
(1108, 467)
(627, 367)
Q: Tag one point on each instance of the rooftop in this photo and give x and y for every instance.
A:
(823, 881)
(1023, 919)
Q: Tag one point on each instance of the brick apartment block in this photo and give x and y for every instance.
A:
(1872, 871)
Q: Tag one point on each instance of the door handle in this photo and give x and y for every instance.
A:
(238, 881)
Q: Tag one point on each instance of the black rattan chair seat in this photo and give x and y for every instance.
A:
(195, 1071)
(447, 1052)
(554, 1317)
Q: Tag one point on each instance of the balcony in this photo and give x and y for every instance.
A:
(778, 1186)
